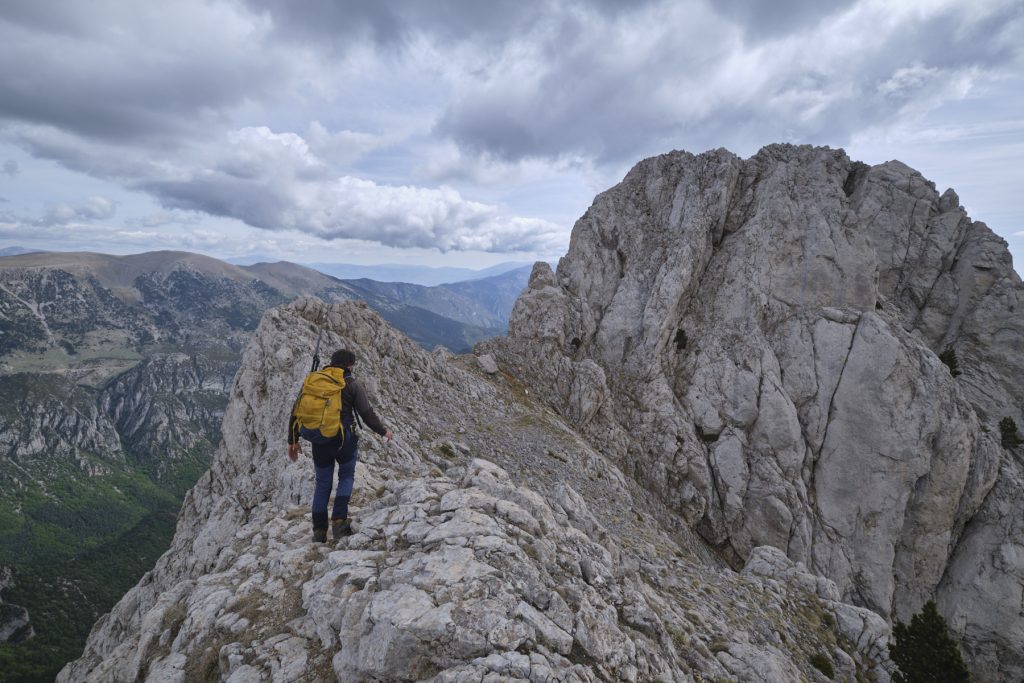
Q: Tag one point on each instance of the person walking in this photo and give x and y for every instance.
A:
(341, 448)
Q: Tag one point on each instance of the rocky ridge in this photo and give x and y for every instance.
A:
(114, 375)
(479, 553)
(757, 343)
(754, 342)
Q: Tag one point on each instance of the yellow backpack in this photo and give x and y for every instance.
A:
(318, 408)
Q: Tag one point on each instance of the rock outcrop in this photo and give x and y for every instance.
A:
(719, 443)
(491, 543)
(114, 375)
(756, 342)
(15, 625)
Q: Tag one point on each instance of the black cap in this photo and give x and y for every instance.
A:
(343, 358)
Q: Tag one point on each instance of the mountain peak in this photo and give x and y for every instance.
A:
(758, 342)
(721, 443)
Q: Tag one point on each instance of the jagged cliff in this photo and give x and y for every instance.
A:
(719, 443)
(756, 342)
(492, 543)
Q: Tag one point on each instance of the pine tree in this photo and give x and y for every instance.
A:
(949, 358)
(924, 652)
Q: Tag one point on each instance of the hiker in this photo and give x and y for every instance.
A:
(341, 448)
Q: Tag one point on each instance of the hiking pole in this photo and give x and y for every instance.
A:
(319, 336)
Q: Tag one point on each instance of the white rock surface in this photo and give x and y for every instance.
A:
(487, 363)
(756, 342)
(548, 566)
(735, 365)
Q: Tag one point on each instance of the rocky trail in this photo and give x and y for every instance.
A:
(458, 569)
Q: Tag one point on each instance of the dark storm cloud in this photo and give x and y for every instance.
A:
(115, 71)
(187, 101)
(254, 203)
(663, 77)
(762, 20)
(394, 22)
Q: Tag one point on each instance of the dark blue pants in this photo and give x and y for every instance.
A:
(343, 452)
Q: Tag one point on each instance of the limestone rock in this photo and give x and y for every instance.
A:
(487, 363)
(734, 367)
(766, 336)
(459, 568)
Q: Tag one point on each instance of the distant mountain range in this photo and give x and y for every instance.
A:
(426, 276)
(485, 302)
(473, 309)
(114, 374)
(14, 251)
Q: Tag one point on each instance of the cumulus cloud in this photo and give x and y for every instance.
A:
(408, 115)
(274, 181)
(92, 209)
(343, 146)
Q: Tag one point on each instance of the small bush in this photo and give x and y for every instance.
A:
(822, 664)
(173, 618)
(680, 340)
(679, 636)
(949, 358)
(924, 652)
(1008, 433)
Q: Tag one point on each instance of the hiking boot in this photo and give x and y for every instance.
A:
(341, 528)
(319, 535)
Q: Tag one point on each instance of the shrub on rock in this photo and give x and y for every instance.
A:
(924, 652)
(1010, 437)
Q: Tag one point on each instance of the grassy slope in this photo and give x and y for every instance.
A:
(75, 560)
(55, 594)
(78, 543)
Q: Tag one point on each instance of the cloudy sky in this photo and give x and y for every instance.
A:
(465, 132)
